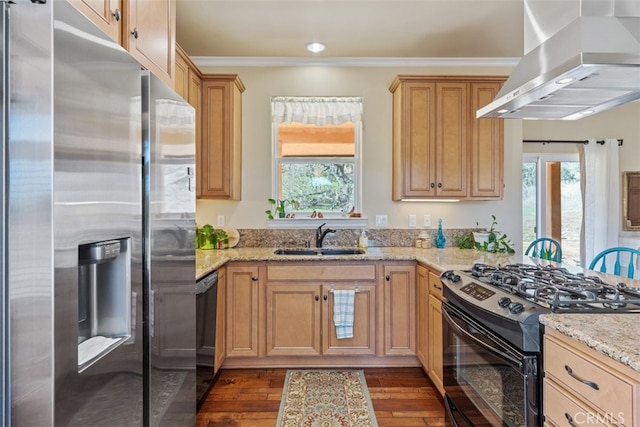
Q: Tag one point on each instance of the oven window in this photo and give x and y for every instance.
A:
(488, 389)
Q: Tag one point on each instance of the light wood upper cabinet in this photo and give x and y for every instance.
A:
(436, 138)
(487, 146)
(150, 35)
(221, 140)
(106, 14)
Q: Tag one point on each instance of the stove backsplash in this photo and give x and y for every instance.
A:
(266, 237)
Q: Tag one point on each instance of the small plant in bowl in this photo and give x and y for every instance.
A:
(279, 207)
(492, 240)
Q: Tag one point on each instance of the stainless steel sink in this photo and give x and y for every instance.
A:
(320, 251)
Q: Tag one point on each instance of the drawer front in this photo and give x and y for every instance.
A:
(321, 271)
(613, 396)
(563, 411)
(435, 285)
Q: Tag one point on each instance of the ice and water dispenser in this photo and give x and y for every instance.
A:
(104, 298)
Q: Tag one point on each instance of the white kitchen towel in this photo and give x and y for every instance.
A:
(343, 313)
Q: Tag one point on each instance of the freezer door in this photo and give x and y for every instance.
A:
(97, 200)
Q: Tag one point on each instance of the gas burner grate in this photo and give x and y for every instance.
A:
(558, 289)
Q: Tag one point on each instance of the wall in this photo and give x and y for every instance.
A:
(372, 83)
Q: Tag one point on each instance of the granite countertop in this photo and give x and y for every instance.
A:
(614, 335)
(450, 258)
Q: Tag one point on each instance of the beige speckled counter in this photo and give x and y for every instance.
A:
(614, 335)
(441, 259)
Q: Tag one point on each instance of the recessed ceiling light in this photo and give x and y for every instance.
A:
(315, 47)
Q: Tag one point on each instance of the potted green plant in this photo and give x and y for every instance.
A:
(464, 240)
(279, 207)
(492, 240)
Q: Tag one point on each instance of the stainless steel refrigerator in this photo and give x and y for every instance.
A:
(98, 289)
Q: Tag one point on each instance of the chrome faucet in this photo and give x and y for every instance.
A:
(320, 234)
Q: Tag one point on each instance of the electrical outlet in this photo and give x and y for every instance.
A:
(412, 220)
(381, 220)
(220, 220)
(426, 220)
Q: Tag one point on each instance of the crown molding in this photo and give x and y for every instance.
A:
(256, 61)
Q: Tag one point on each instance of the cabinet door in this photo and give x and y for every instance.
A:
(399, 310)
(422, 316)
(220, 350)
(435, 344)
(414, 135)
(293, 320)
(452, 114)
(105, 14)
(364, 322)
(486, 146)
(221, 143)
(181, 77)
(151, 35)
(243, 287)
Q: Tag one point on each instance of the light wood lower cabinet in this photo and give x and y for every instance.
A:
(434, 322)
(281, 314)
(220, 350)
(399, 309)
(243, 289)
(422, 316)
(585, 387)
(300, 320)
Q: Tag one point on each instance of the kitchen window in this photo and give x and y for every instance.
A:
(316, 153)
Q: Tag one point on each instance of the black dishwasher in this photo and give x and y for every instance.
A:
(206, 301)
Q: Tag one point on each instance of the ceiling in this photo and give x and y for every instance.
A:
(360, 29)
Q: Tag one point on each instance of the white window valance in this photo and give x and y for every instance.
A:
(316, 110)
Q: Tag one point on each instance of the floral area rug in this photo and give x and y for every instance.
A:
(323, 398)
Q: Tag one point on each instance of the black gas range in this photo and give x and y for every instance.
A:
(492, 335)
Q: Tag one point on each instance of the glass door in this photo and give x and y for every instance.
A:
(552, 202)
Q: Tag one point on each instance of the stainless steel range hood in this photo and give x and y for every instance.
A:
(589, 65)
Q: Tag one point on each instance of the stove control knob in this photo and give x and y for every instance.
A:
(516, 307)
(504, 301)
(455, 278)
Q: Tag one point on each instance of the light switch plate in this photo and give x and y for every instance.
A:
(381, 220)
(220, 220)
(426, 220)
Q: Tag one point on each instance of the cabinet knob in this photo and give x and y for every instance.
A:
(116, 15)
(255, 279)
(317, 298)
(134, 33)
(326, 297)
(387, 278)
(432, 185)
(569, 419)
(439, 185)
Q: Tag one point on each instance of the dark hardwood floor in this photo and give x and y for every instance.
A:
(401, 397)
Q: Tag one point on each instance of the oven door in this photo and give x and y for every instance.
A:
(487, 381)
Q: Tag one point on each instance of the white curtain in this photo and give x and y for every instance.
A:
(316, 110)
(600, 182)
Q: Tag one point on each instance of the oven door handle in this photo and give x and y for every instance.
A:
(450, 408)
(483, 344)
